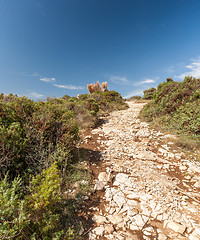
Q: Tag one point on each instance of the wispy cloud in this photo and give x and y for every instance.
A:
(35, 74)
(70, 87)
(134, 93)
(148, 80)
(193, 69)
(45, 79)
(118, 79)
(125, 81)
(34, 94)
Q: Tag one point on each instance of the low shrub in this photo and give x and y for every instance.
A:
(33, 136)
(135, 98)
(177, 106)
(148, 94)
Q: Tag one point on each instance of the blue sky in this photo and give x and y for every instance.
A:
(55, 47)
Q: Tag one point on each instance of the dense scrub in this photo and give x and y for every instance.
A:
(134, 98)
(37, 145)
(176, 105)
(148, 94)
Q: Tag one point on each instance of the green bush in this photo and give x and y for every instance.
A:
(13, 215)
(176, 105)
(30, 132)
(148, 94)
(33, 135)
(135, 98)
(36, 215)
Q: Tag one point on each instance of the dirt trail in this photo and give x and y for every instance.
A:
(148, 189)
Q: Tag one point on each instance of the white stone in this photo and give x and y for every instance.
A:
(171, 155)
(99, 219)
(194, 236)
(183, 168)
(115, 219)
(139, 221)
(132, 202)
(103, 177)
(99, 186)
(132, 212)
(109, 229)
(99, 231)
(122, 178)
(161, 236)
(119, 198)
(148, 231)
(133, 196)
(88, 137)
(133, 227)
(108, 193)
(177, 227)
(197, 184)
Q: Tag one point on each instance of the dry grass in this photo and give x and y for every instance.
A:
(94, 87)
(105, 86)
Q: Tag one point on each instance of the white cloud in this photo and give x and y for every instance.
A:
(35, 74)
(118, 79)
(70, 87)
(34, 94)
(146, 81)
(134, 93)
(193, 70)
(45, 79)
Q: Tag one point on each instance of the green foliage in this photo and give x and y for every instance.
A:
(13, 215)
(148, 94)
(33, 136)
(109, 101)
(45, 189)
(135, 98)
(176, 105)
(36, 215)
(43, 202)
(32, 131)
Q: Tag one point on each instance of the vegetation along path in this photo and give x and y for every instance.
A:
(149, 189)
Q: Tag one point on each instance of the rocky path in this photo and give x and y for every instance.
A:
(150, 189)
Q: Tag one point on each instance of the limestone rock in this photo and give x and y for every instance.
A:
(177, 227)
(109, 229)
(122, 178)
(99, 186)
(99, 219)
(133, 196)
(194, 236)
(99, 231)
(115, 218)
(138, 221)
(119, 199)
(197, 184)
(161, 236)
(103, 177)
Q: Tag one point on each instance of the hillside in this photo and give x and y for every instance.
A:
(175, 106)
(73, 168)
